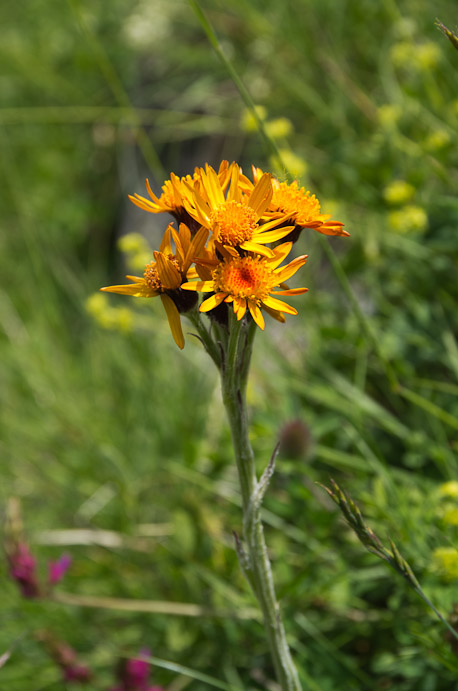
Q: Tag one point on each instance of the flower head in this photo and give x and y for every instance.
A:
(23, 570)
(134, 674)
(57, 569)
(175, 192)
(164, 276)
(234, 217)
(248, 282)
(300, 207)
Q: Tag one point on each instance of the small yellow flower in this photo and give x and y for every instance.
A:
(410, 219)
(248, 283)
(450, 515)
(233, 218)
(164, 276)
(279, 128)
(437, 140)
(389, 114)
(248, 120)
(299, 207)
(445, 560)
(449, 489)
(398, 192)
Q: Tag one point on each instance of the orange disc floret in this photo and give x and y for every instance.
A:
(245, 277)
(233, 223)
(249, 282)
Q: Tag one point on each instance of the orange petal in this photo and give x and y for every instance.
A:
(291, 291)
(261, 195)
(137, 290)
(201, 286)
(256, 314)
(290, 269)
(281, 252)
(165, 246)
(213, 187)
(144, 204)
(169, 275)
(151, 193)
(278, 305)
(212, 302)
(272, 235)
(259, 249)
(174, 320)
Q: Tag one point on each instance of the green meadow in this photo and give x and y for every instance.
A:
(115, 442)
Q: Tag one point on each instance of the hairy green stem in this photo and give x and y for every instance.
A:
(234, 375)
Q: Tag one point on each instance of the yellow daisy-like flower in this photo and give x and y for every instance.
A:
(164, 276)
(174, 193)
(234, 217)
(248, 283)
(300, 207)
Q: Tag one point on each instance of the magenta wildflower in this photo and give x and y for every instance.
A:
(23, 569)
(134, 674)
(65, 658)
(76, 672)
(58, 569)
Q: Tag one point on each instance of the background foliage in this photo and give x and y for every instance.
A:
(105, 425)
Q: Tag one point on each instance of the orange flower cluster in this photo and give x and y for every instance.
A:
(233, 235)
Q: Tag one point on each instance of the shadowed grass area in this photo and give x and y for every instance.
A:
(106, 426)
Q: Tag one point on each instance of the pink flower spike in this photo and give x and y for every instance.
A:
(23, 570)
(58, 569)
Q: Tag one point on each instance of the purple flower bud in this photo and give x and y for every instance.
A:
(76, 672)
(23, 570)
(58, 569)
(134, 674)
(136, 671)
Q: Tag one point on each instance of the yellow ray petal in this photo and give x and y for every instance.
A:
(291, 291)
(234, 192)
(259, 249)
(174, 320)
(195, 248)
(185, 236)
(286, 271)
(212, 302)
(273, 313)
(213, 187)
(333, 229)
(144, 204)
(272, 235)
(201, 286)
(239, 307)
(151, 193)
(169, 275)
(256, 314)
(261, 195)
(165, 245)
(281, 252)
(137, 290)
(278, 305)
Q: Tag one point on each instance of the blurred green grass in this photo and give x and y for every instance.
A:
(114, 429)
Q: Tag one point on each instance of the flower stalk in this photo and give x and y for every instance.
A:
(253, 553)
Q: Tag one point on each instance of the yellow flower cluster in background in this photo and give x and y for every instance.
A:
(445, 561)
(234, 233)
